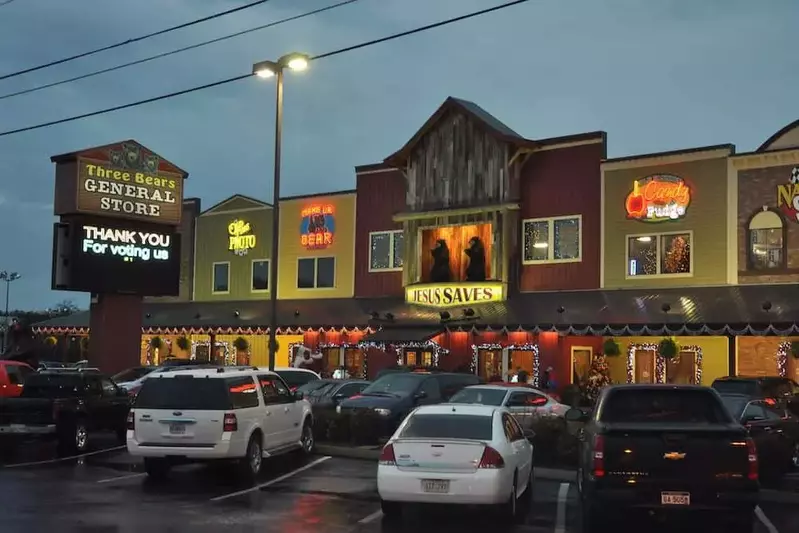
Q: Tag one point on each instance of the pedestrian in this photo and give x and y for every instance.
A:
(548, 382)
(523, 376)
(341, 373)
(515, 378)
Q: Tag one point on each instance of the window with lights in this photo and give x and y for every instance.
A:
(552, 240)
(766, 241)
(385, 251)
(663, 254)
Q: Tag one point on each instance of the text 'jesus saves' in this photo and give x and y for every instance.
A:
(128, 244)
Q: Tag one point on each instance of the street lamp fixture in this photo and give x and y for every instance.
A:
(268, 69)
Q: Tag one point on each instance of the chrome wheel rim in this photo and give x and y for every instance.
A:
(307, 438)
(255, 458)
(81, 438)
(795, 458)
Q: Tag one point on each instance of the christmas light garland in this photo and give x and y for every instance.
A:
(398, 348)
(219, 344)
(510, 347)
(783, 350)
(660, 362)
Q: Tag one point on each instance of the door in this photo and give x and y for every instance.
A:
(116, 405)
(581, 364)
(489, 365)
(275, 421)
(784, 435)
(429, 392)
(353, 362)
(98, 410)
(348, 390)
(681, 370)
(522, 456)
(761, 429)
(644, 366)
(521, 360)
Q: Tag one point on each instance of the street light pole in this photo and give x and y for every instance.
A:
(8, 277)
(268, 69)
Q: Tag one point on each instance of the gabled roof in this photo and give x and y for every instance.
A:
(483, 118)
(774, 138)
(97, 151)
(225, 204)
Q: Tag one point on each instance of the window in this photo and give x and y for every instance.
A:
(260, 275)
(659, 254)
(385, 251)
(109, 389)
(183, 394)
(268, 389)
(431, 390)
(14, 376)
(766, 241)
(221, 281)
(243, 392)
(316, 273)
(552, 240)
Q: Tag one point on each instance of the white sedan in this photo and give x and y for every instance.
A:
(457, 454)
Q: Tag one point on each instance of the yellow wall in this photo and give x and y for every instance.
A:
(259, 352)
(342, 249)
(715, 356)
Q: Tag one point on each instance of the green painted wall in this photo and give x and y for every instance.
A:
(212, 245)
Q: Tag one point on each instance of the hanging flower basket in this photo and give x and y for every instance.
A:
(611, 348)
(51, 341)
(668, 349)
(795, 349)
(183, 343)
(156, 343)
(241, 344)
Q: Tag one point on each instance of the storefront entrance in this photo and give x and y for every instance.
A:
(644, 366)
(353, 362)
(581, 364)
(415, 357)
(681, 370)
(520, 359)
(489, 364)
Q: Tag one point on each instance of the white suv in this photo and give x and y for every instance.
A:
(210, 414)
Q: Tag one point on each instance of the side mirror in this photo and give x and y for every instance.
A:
(122, 392)
(529, 434)
(421, 395)
(297, 395)
(576, 415)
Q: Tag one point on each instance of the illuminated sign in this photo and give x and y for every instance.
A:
(658, 198)
(454, 294)
(788, 196)
(240, 237)
(128, 245)
(318, 226)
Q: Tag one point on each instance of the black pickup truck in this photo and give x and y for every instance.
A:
(664, 450)
(67, 406)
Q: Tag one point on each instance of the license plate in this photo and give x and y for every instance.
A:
(437, 486)
(177, 429)
(675, 498)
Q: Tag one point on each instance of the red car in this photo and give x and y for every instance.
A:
(12, 378)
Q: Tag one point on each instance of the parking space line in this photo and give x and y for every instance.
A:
(120, 478)
(62, 459)
(765, 521)
(272, 481)
(560, 521)
(371, 518)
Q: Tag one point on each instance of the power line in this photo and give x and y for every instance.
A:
(177, 51)
(245, 76)
(5, 3)
(133, 40)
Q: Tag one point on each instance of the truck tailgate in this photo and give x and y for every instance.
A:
(27, 411)
(676, 451)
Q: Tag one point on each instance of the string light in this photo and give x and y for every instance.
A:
(510, 347)
(207, 344)
(660, 362)
(783, 350)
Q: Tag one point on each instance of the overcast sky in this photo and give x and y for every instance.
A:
(655, 75)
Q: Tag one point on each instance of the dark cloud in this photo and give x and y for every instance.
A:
(656, 76)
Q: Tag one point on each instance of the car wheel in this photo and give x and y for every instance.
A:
(795, 457)
(250, 464)
(157, 468)
(391, 510)
(307, 441)
(509, 511)
(74, 440)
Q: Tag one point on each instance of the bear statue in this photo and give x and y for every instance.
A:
(476, 271)
(440, 271)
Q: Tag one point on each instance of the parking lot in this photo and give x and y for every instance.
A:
(106, 492)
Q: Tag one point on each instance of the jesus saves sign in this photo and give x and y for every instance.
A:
(454, 294)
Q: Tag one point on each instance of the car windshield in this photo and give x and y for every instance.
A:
(132, 374)
(663, 406)
(735, 404)
(184, 393)
(296, 378)
(479, 396)
(52, 386)
(312, 386)
(445, 426)
(394, 385)
(735, 386)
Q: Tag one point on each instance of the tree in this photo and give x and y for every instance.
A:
(64, 308)
(598, 378)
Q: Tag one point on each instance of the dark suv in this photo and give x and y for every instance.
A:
(774, 390)
(393, 396)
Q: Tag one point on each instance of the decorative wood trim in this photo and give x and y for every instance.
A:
(765, 160)
(402, 217)
(666, 159)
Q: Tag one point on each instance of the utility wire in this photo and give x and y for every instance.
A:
(177, 51)
(130, 41)
(245, 76)
(5, 3)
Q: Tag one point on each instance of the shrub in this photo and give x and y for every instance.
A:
(668, 349)
(610, 348)
(555, 445)
(361, 428)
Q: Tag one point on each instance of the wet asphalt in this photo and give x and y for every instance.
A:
(106, 492)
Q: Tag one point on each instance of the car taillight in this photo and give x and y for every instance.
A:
(230, 423)
(770, 401)
(491, 459)
(131, 421)
(387, 456)
(598, 457)
(751, 451)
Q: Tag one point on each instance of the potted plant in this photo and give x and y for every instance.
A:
(795, 349)
(183, 343)
(668, 349)
(610, 348)
(50, 341)
(156, 343)
(241, 345)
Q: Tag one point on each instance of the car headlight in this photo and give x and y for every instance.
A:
(383, 412)
(338, 409)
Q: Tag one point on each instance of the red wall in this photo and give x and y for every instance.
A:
(565, 181)
(380, 195)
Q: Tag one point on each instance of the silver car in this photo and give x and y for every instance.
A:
(524, 401)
